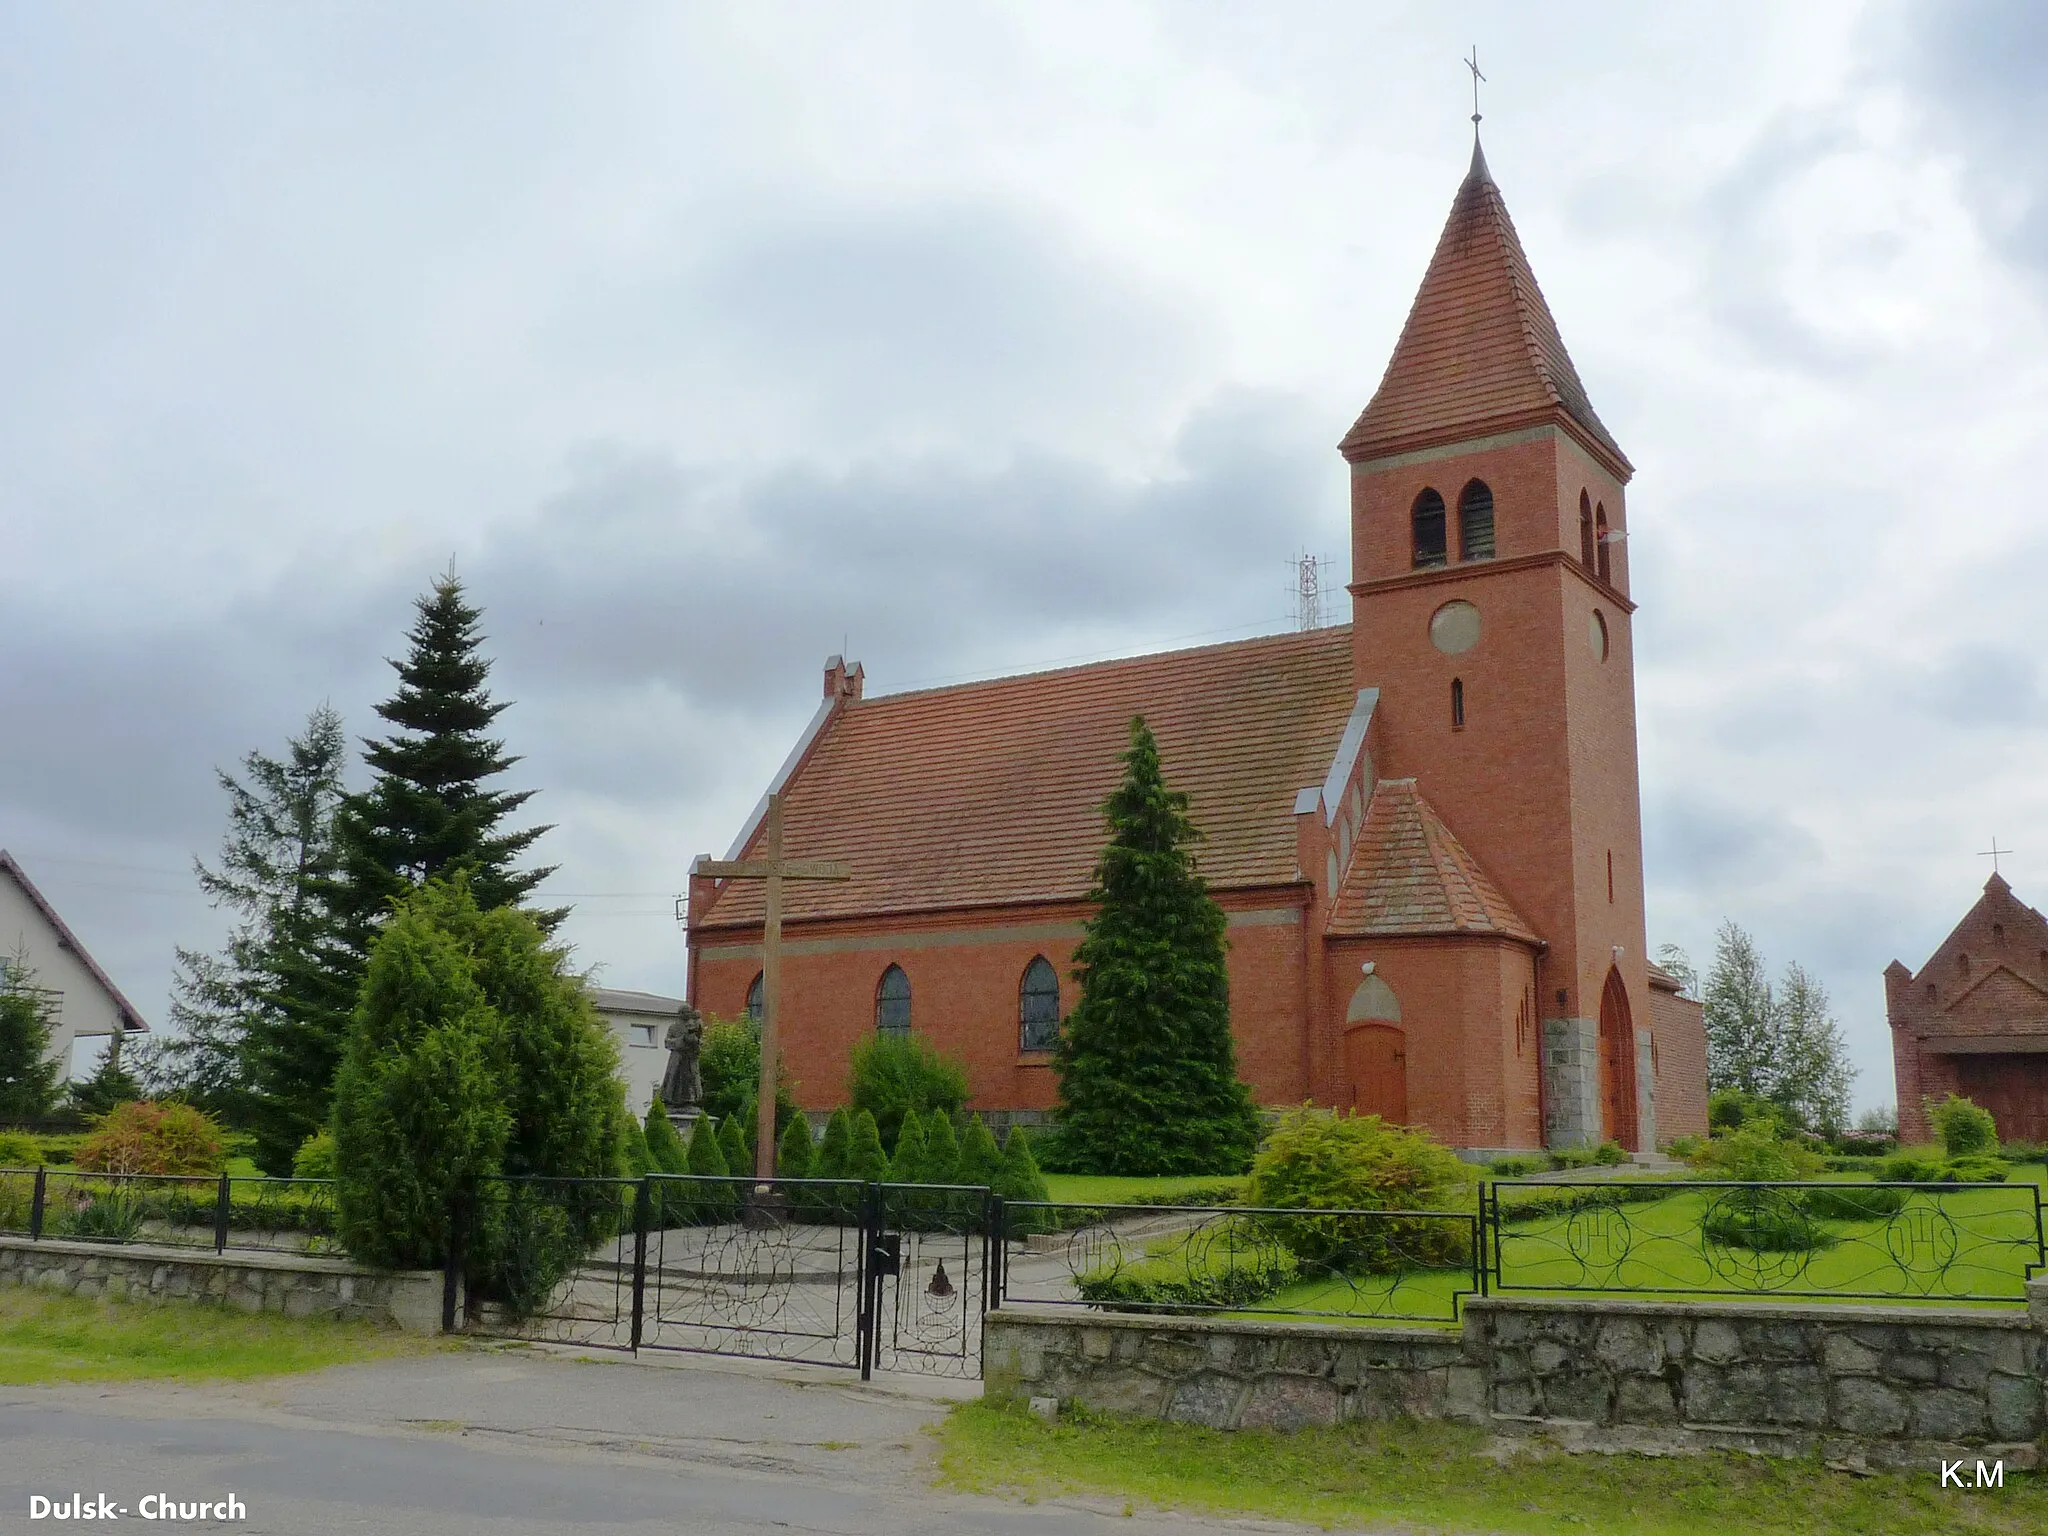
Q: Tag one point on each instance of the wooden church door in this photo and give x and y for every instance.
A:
(1376, 1060)
(1618, 1062)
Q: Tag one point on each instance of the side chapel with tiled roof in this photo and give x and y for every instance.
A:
(1423, 826)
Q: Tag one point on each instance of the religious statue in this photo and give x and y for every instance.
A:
(682, 1085)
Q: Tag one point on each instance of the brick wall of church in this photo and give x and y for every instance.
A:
(965, 972)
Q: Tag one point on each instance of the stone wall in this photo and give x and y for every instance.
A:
(1571, 1082)
(1878, 1385)
(291, 1284)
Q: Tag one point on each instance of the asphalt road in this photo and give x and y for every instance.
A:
(510, 1443)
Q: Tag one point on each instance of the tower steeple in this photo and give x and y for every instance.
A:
(1481, 353)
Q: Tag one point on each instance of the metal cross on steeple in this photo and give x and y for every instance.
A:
(1993, 852)
(1473, 65)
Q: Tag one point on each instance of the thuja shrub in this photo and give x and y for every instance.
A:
(473, 1053)
(1963, 1128)
(141, 1136)
(1316, 1159)
(1756, 1153)
(315, 1157)
(892, 1075)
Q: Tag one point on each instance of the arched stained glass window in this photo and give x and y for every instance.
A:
(1038, 1006)
(1430, 534)
(892, 1002)
(754, 999)
(1475, 522)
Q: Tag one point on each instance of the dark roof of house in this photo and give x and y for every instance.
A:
(1480, 352)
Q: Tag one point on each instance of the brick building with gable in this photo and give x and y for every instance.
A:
(1423, 825)
(1974, 1020)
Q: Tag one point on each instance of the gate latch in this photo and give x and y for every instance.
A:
(885, 1257)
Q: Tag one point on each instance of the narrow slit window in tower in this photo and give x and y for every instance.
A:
(1585, 530)
(1600, 544)
(1457, 703)
(1475, 522)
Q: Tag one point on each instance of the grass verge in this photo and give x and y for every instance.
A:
(46, 1339)
(1422, 1477)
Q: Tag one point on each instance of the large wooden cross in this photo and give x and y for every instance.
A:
(771, 871)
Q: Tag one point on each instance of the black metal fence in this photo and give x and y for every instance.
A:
(1388, 1266)
(207, 1212)
(1971, 1243)
(866, 1277)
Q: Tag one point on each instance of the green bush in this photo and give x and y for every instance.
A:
(1976, 1169)
(906, 1166)
(1755, 1153)
(865, 1159)
(19, 1151)
(1854, 1202)
(892, 1074)
(1610, 1154)
(1912, 1165)
(665, 1147)
(830, 1162)
(1319, 1160)
(17, 1201)
(1684, 1148)
(1231, 1264)
(1017, 1176)
(1729, 1109)
(474, 1052)
(139, 1136)
(315, 1158)
(729, 1061)
(1517, 1165)
(635, 1159)
(1571, 1159)
(794, 1153)
(2024, 1151)
(736, 1145)
(980, 1160)
(941, 1153)
(1763, 1225)
(1962, 1128)
(107, 1216)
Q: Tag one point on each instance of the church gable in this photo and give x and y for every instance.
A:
(991, 793)
(2000, 936)
(2001, 1001)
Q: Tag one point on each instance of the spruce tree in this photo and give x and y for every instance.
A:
(111, 1083)
(1147, 1068)
(28, 1072)
(430, 810)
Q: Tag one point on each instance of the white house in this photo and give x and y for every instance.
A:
(640, 1020)
(84, 1002)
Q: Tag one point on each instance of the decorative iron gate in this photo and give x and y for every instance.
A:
(866, 1277)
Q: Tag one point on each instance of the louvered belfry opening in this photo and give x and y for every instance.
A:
(1431, 536)
(1475, 522)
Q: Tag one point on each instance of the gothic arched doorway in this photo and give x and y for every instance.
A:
(1376, 1052)
(1618, 1062)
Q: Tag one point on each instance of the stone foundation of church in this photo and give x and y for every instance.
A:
(1871, 1386)
(1571, 1083)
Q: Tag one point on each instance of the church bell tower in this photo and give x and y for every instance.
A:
(1491, 607)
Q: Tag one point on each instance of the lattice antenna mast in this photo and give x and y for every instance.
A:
(1308, 591)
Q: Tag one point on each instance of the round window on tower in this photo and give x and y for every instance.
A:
(1596, 635)
(1454, 628)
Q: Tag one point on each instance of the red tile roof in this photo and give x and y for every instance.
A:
(1480, 352)
(992, 792)
(1409, 875)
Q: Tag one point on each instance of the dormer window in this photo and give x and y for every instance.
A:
(1475, 522)
(1427, 519)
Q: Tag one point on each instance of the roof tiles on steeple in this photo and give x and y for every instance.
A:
(1480, 353)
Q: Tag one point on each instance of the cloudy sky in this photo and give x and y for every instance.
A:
(709, 339)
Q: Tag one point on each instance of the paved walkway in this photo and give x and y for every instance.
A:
(517, 1441)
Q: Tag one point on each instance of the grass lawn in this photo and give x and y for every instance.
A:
(1418, 1477)
(1103, 1189)
(46, 1338)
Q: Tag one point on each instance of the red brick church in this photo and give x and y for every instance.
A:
(1423, 825)
(1974, 1020)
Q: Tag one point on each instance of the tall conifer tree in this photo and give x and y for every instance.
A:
(1147, 1069)
(430, 812)
(28, 1072)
